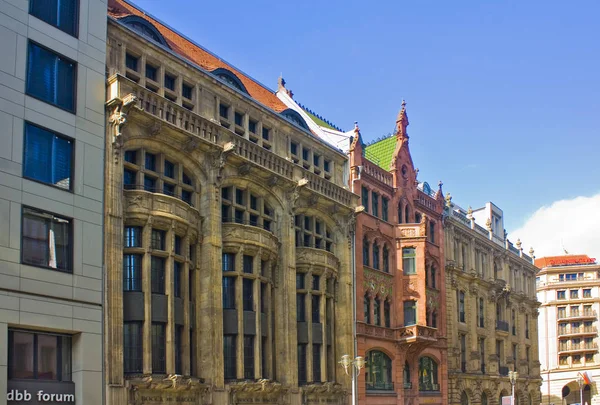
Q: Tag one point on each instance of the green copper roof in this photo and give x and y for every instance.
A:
(318, 120)
(381, 152)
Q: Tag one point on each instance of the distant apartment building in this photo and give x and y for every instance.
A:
(492, 310)
(51, 191)
(569, 289)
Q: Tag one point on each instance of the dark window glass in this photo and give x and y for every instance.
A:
(316, 159)
(47, 157)
(294, 148)
(263, 298)
(39, 356)
(130, 156)
(169, 169)
(386, 313)
(170, 82)
(316, 362)
(302, 364)
(376, 257)
(177, 247)
(150, 161)
(248, 294)
(327, 165)
(229, 356)
(228, 262)
(157, 265)
(264, 357)
(410, 313)
(428, 374)
(191, 288)
(408, 261)
(177, 274)
(228, 292)
(365, 252)
(192, 354)
(157, 240)
(365, 198)
(159, 344)
(149, 183)
(265, 133)
(384, 208)
(238, 118)
(187, 196)
(151, 72)
(252, 126)
(305, 153)
(300, 308)
(51, 77)
(378, 373)
(375, 204)
(132, 236)
(316, 308)
(168, 189)
(377, 312)
(179, 350)
(461, 306)
(249, 357)
(300, 281)
(132, 272)
(131, 62)
(186, 91)
(386, 259)
(129, 179)
(223, 111)
(46, 240)
(367, 308)
(62, 14)
(248, 264)
(132, 347)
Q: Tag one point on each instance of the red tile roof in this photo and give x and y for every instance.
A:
(187, 49)
(566, 260)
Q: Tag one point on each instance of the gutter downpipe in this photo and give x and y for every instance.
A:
(353, 265)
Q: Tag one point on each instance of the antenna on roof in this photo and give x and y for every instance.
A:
(563, 247)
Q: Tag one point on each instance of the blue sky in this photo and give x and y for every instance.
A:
(502, 96)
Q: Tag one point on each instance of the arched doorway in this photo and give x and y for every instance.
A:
(464, 398)
(484, 399)
(572, 395)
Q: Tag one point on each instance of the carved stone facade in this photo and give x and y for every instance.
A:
(492, 310)
(228, 264)
(400, 299)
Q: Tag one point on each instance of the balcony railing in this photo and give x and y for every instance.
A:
(157, 190)
(577, 314)
(577, 347)
(380, 386)
(266, 225)
(577, 331)
(502, 325)
(407, 385)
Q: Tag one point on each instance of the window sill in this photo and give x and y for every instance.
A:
(68, 190)
(71, 111)
(38, 266)
(381, 393)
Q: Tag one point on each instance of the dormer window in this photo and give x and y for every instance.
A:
(296, 118)
(144, 28)
(230, 79)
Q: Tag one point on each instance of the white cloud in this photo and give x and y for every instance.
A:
(573, 223)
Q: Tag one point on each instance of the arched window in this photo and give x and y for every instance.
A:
(294, 117)
(378, 371)
(365, 252)
(434, 319)
(400, 213)
(406, 214)
(406, 377)
(229, 78)
(418, 217)
(464, 399)
(377, 312)
(484, 399)
(144, 28)
(376, 256)
(428, 374)
(387, 314)
(367, 308)
(433, 276)
(386, 259)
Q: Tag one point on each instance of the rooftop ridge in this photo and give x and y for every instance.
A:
(132, 4)
(308, 110)
(381, 138)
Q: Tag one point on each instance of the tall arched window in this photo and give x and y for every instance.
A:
(406, 377)
(386, 313)
(428, 374)
(379, 371)
(464, 399)
(377, 312)
(406, 213)
(367, 308)
(433, 276)
(376, 256)
(386, 259)
(400, 213)
(484, 399)
(365, 252)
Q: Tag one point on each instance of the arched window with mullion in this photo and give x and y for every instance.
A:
(428, 374)
(378, 372)
(375, 256)
(365, 252)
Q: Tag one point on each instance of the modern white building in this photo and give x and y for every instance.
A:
(569, 289)
(52, 75)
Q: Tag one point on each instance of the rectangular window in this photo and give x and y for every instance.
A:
(263, 297)
(169, 169)
(62, 14)
(228, 292)
(179, 350)
(177, 248)
(159, 364)
(150, 162)
(40, 356)
(248, 264)
(365, 198)
(432, 231)
(132, 347)
(574, 294)
(132, 236)
(248, 294)
(265, 133)
(294, 148)
(316, 308)
(131, 61)
(186, 91)
(186, 196)
(224, 111)
(461, 306)
(408, 260)
(46, 240)
(375, 204)
(228, 262)
(149, 184)
(384, 208)
(129, 179)
(151, 72)
(132, 272)
(561, 295)
(300, 308)
(157, 239)
(51, 77)
(316, 363)
(249, 357)
(177, 274)
(168, 189)
(327, 165)
(587, 293)
(481, 313)
(130, 156)
(305, 153)
(229, 356)
(47, 157)
(169, 82)
(157, 265)
(410, 313)
(238, 118)
(300, 277)
(386, 314)
(302, 378)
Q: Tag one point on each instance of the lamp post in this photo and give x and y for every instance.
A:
(580, 382)
(512, 377)
(348, 363)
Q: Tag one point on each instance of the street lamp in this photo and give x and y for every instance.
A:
(359, 364)
(581, 384)
(512, 377)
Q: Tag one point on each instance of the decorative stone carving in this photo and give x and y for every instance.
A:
(155, 128)
(256, 391)
(118, 119)
(150, 389)
(244, 169)
(378, 284)
(325, 392)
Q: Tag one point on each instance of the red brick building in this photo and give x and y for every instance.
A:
(401, 324)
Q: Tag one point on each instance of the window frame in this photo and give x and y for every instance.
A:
(76, 17)
(138, 350)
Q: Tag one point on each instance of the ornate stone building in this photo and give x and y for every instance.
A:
(401, 328)
(227, 232)
(492, 310)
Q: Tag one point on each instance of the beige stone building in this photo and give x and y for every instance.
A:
(227, 232)
(491, 311)
(569, 289)
(51, 190)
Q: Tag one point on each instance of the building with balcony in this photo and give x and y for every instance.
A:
(400, 298)
(228, 224)
(51, 191)
(492, 310)
(569, 289)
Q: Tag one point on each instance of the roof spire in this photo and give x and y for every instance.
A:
(402, 122)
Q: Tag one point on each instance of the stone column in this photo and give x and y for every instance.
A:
(147, 289)
(170, 292)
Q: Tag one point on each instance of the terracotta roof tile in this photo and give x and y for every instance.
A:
(187, 49)
(566, 260)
